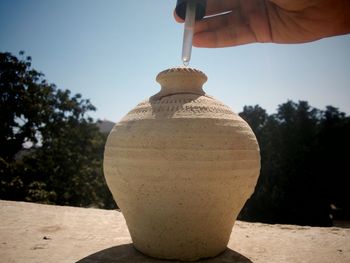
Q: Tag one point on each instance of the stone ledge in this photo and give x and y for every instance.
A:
(43, 233)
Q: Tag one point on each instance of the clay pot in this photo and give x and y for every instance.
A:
(181, 165)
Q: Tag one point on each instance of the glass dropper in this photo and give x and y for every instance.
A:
(188, 31)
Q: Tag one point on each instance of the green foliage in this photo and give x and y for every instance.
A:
(61, 162)
(304, 164)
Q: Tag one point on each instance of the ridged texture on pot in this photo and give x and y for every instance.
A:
(181, 166)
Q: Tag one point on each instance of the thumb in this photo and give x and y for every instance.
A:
(177, 18)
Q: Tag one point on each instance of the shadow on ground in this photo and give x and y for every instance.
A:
(127, 253)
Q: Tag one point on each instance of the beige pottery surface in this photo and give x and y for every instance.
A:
(181, 165)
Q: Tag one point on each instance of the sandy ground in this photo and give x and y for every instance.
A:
(41, 233)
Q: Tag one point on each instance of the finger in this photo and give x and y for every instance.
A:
(225, 37)
(223, 31)
(243, 25)
(220, 6)
(295, 5)
(214, 23)
(255, 14)
(177, 18)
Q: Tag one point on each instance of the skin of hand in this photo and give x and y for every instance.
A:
(236, 22)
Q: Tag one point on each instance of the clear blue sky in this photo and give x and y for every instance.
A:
(111, 51)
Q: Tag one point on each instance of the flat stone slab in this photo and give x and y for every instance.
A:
(43, 233)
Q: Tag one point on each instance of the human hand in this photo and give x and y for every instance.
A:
(237, 22)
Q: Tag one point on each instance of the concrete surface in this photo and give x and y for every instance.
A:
(42, 233)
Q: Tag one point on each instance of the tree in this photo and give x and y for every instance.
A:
(293, 186)
(267, 200)
(306, 199)
(333, 159)
(256, 117)
(51, 151)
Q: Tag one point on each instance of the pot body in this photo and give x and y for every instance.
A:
(181, 166)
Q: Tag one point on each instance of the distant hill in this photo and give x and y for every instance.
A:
(105, 126)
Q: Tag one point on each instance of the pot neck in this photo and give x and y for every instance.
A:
(180, 80)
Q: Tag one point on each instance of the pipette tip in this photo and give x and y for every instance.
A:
(185, 62)
(188, 32)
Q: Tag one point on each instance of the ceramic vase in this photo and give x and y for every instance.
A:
(181, 165)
